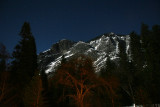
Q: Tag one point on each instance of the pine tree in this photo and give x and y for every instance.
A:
(25, 56)
(154, 62)
(24, 62)
(136, 50)
(144, 35)
(126, 77)
(154, 47)
(137, 62)
(150, 39)
(4, 55)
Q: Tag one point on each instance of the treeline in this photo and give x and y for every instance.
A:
(133, 80)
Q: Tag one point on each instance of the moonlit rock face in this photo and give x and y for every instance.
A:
(98, 49)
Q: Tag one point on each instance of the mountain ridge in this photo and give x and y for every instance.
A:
(99, 49)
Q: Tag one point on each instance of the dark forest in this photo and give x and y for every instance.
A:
(75, 83)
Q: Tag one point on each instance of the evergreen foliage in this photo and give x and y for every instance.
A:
(152, 54)
(25, 56)
(133, 80)
(145, 35)
(4, 55)
(136, 50)
(24, 62)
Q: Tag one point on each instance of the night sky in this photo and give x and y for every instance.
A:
(53, 20)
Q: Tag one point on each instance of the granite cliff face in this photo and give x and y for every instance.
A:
(50, 55)
(99, 49)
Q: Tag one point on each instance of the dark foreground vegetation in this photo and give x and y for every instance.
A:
(75, 83)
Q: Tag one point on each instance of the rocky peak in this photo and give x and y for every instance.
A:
(62, 46)
(99, 49)
(57, 49)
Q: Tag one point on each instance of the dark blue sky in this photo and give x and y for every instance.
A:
(53, 20)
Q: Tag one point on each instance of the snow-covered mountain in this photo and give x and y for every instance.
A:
(99, 49)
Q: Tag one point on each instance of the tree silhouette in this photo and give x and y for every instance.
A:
(78, 75)
(108, 87)
(4, 55)
(109, 83)
(32, 94)
(24, 62)
(7, 95)
(25, 56)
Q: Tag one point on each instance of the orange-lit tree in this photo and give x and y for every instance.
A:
(4, 86)
(109, 83)
(6, 90)
(77, 75)
(108, 87)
